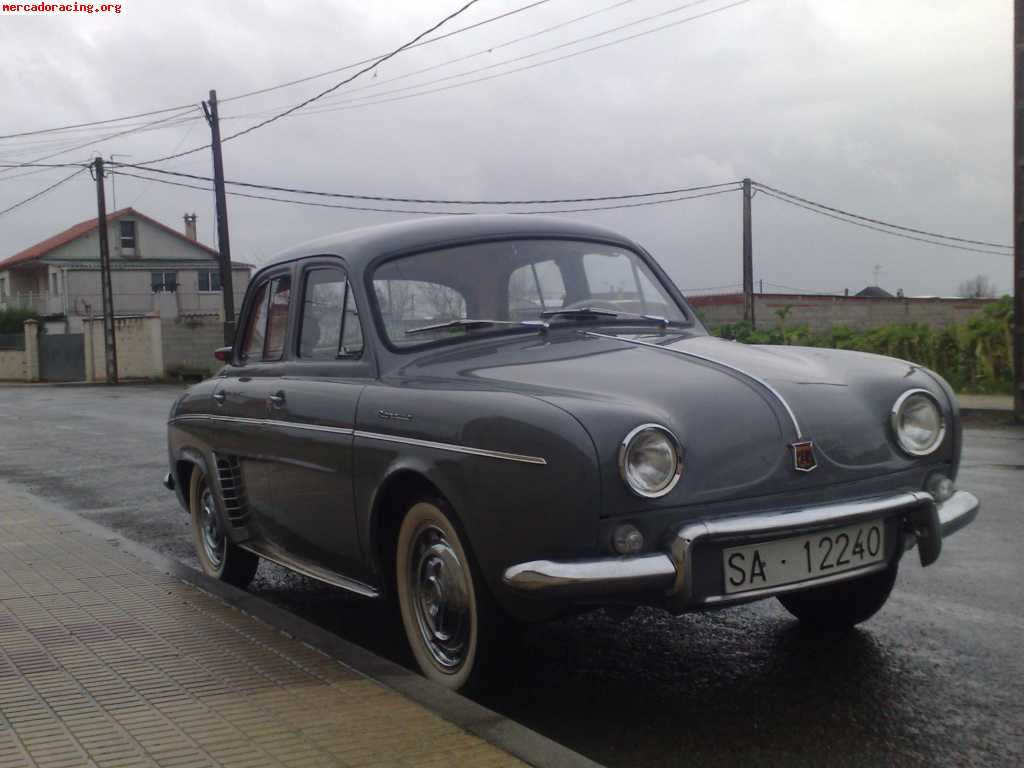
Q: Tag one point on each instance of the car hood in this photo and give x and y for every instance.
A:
(736, 408)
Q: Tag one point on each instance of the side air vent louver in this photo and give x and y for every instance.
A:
(233, 492)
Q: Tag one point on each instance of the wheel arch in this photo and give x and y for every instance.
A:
(188, 460)
(403, 484)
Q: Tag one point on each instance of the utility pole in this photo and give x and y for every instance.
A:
(748, 257)
(1018, 210)
(226, 283)
(109, 342)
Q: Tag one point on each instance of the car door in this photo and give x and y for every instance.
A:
(312, 420)
(243, 451)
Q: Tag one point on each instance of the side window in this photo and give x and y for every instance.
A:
(255, 329)
(330, 322)
(277, 318)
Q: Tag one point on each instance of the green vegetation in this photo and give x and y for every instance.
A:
(12, 320)
(975, 356)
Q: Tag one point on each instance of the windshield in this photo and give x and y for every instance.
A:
(511, 281)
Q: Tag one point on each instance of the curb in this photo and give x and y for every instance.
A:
(517, 740)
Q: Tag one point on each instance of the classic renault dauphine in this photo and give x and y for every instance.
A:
(512, 417)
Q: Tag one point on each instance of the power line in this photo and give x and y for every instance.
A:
(279, 86)
(354, 64)
(326, 91)
(33, 162)
(487, 50)
(441, 212)
(765, 187)
(41, 192)
(425, 200)
(884, 231)
(353, 103)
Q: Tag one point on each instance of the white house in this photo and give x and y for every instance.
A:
(154, 269)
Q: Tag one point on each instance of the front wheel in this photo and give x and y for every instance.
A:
(218, 557)
(441, 602)
(842, 605)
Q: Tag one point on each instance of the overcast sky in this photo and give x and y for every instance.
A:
(897, 110)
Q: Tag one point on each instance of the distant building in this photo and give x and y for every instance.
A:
(154, 269)
(874, 292)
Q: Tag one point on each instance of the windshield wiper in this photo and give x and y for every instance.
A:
(469, 324)
(585, 312)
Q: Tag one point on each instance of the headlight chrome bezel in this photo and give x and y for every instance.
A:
(677, 450)
(894, 423)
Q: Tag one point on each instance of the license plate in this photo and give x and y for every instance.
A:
(799, 558)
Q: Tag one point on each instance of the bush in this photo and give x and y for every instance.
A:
(976, 356)
(13, 320)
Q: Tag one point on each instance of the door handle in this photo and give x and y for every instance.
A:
(219, 397)
(276, 400)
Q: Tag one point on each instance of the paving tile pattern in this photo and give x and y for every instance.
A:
(109, 663)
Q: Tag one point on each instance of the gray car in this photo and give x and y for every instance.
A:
(508, 418)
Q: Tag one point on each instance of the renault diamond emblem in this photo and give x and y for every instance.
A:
(803, 456)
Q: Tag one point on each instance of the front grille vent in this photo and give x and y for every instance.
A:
(232, 490)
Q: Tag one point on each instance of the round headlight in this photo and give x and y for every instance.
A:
(918, 423)
(650, 461)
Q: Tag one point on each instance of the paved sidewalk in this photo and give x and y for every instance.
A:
(107, 661)
(995, 403)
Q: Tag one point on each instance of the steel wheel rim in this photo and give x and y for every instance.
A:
(214, 543)
(440, 596)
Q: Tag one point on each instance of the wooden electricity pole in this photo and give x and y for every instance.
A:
(1018, 210)
(748, 257)
(223, 240)
(109, 342)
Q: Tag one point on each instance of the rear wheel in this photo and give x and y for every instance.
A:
(444, 606)
(218, 557)
(842, 605)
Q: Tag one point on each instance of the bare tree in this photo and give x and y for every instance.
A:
(978, 287)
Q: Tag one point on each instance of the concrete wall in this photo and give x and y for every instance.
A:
(189, 342)
(824, 312)
(12, 365)
(139, 348)
(22, 364)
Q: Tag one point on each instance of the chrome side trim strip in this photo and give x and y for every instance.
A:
(263, 423)
(451, 447)
(275, 555)
(757, 379)
(369, 435)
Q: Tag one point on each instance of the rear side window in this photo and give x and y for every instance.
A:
(330, 321)
(267, 325)
(277, 318)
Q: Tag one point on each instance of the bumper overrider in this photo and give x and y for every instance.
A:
(915, 516)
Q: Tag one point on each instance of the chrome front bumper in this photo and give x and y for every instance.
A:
(671, 573)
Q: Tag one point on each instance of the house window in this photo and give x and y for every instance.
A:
(3, 288)
(209, 280)
(163, 282)
(127, 235)
(55, 284)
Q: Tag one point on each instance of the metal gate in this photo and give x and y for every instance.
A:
(62, 357)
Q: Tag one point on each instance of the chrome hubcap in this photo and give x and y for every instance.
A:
(440, 595)
(214, 543)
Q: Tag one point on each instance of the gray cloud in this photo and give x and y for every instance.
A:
(900, 111)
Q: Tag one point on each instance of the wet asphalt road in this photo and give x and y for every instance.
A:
(936, 679)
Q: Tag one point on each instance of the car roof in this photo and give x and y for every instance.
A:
(362, 245)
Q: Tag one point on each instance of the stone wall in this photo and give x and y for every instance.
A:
(189, 342)
(824, 312)
(139, 348)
